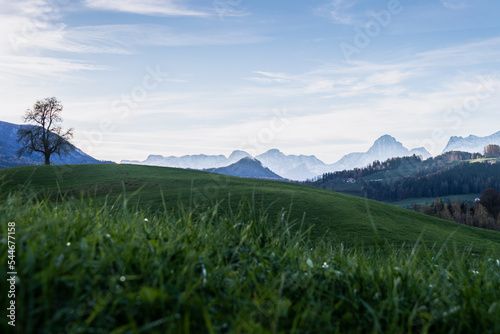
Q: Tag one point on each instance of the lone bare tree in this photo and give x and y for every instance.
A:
(46, 136)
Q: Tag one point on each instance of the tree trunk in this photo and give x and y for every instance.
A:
(47, 159)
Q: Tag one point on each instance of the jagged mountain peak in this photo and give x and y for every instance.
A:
(471, 143)
(273, 151)
(386, 140)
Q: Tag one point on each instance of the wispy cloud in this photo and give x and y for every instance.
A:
(230, 8)
(478, 52)
(409, 93)
(123, 39)
(338, 10)
(31, 29)
(27, 29)
(146, 7)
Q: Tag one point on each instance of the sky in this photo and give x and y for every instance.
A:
(316, 77)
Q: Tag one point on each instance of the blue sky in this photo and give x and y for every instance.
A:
(319, 77)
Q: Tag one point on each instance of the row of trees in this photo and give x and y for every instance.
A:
(484, 213)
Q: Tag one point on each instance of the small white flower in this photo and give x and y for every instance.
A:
(475, 272)
(325, 265)
(204, 273)
(146, 220)
(122, 279)
(68, 244)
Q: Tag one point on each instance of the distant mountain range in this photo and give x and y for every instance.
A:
(293, 167)
(472, 144)
(199, 161)
(246, 167)
(9, 147)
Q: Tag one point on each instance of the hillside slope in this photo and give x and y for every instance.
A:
(335, 217)
(9, 147)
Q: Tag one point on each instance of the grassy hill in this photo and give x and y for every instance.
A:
(334, 217)
(97, 263)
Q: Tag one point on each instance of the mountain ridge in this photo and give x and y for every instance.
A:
(471, 143)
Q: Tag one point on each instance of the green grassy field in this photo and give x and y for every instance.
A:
(333, 217)
(84, 266)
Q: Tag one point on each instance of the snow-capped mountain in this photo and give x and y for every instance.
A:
(384, 148)
(293, 167)
(247, 167)
(472, 144)
(198, 161)
(9, 147)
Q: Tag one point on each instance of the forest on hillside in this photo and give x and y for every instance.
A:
(401, 178)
